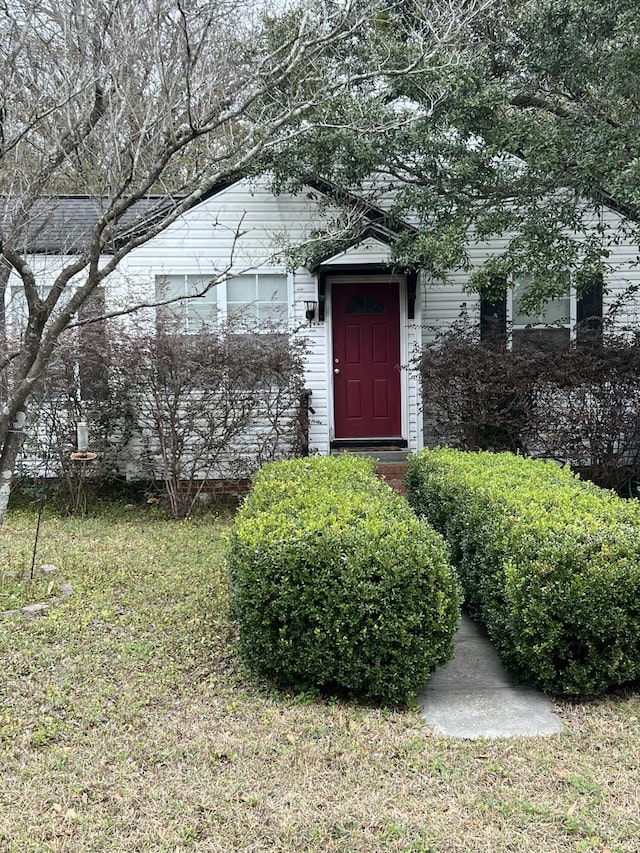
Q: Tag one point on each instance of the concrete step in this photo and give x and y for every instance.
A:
(391, 465)
(378, 455)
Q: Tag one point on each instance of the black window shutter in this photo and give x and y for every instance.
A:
(493, 318)
(589, 309)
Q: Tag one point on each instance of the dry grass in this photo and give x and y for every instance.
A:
(128, 725)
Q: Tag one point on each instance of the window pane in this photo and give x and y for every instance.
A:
(202, 284)
(200, 310)
(242, 288)
(365, 304)
(170, 286)
(273, 313)
(556, 311)
(246, 313)
(272, 288)
(188, 315)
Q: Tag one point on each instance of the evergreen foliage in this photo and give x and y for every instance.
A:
(549, 564)
(524, 131)
(336, 585)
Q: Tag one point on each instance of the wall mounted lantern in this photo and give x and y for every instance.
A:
(310, 306)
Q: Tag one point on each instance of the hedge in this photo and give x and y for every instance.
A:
(549, 564)
(336, 585)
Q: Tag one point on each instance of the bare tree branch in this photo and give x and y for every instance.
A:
(145, 106)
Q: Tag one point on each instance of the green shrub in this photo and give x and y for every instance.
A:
(549, 564)
(336, 584)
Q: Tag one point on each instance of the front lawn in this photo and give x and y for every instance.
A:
(128, 724)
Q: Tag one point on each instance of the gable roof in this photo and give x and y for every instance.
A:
(377, 224)
(63, 225)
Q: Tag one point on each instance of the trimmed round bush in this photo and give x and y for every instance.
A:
(336, 585)
(549, 564)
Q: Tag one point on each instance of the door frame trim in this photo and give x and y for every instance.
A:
(351, 278)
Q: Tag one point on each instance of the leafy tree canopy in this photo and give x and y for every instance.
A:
(527, 129)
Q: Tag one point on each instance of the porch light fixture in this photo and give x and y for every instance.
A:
(310, 310)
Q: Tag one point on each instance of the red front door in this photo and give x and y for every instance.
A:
(366, 359)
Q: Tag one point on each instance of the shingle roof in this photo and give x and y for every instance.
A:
(64, 224)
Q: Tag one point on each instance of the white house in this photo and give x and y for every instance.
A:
(364, 318)
(361, 318)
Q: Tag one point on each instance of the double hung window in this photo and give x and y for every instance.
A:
(258, 298)
(195, 301)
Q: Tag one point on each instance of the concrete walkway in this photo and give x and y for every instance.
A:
(473, 696)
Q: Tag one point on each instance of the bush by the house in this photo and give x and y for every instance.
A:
(335, 584)
(215, 404)
(580, 405)
(550, 565)
(83, 382)
(176, 410)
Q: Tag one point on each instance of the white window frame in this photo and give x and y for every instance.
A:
(181, 306)
(222, 304)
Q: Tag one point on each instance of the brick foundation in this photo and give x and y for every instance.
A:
(393, 474)
(226, 488)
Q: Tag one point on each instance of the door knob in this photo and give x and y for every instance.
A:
(336, 370)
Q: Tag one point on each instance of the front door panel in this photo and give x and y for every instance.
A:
(366, 359)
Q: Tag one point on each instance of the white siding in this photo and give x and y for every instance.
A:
(317, 378)
(244, 227)
(445, 303)
(622, 280)
(370, 251)
(247, 227)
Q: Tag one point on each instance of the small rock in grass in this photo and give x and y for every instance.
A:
(35, 609)
(48, 569)
(65, 590)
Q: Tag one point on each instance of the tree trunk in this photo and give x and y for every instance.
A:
(10, 450)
